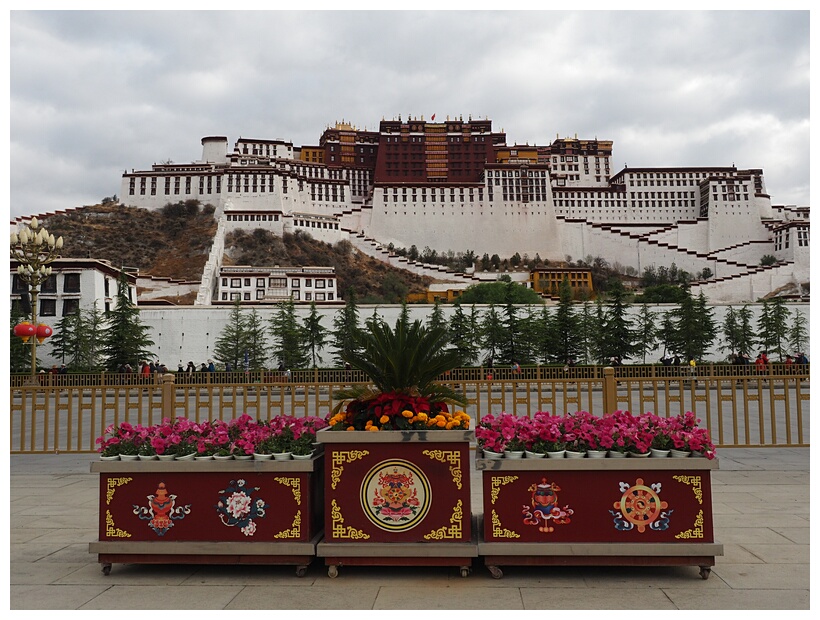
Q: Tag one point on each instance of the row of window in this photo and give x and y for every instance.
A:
(295, 295)
(71, 284)
(279, 282)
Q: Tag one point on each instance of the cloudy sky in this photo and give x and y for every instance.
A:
(93, 93)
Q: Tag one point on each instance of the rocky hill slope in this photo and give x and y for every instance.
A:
(174, 242)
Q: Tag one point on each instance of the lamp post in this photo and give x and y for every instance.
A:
(34, 249)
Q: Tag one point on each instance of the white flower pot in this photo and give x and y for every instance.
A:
(679, 454)
(262, 457)
(615, 454)
(116, 457)
(223, 457)
(208, 457)
(282, 456)
(658, 453)
(489, 454)
(572, 454)
(129, 457)
(514, 454)
(166, 457)
(534, 455)
(303, 457)
(185, 457)
(596, 454)
(638, 455)
(558, 454)
(243, 457)
(148, 457)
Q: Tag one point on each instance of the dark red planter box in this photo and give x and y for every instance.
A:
(397, 497)
(598, 511)
(264, 512)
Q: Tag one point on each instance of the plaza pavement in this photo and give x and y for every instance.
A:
(761, 500)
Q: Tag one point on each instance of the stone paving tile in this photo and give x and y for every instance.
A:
(739, 535)
(779, 554)
(33, 573)
(764, 576)
(736, 599)
(152, 596)
(798, 535)
(314, 597)
(462, 597)
(253, 575)
(736, 554)
(568, 599)
(130, 574)
(52, 597)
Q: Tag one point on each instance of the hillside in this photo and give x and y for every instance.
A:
(174, 242)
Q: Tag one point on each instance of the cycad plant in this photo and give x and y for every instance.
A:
(403, 364)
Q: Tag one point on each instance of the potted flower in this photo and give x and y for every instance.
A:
(488, 436)
(403, 365)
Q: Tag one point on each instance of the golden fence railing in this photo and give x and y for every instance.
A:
(66, 413)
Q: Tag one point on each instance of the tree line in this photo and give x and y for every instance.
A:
(592, 332)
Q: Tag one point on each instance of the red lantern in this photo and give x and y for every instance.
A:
(43, 332)
(24, 330)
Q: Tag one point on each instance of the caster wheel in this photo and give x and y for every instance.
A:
(465, 571)
(705, 571)
(106, 569)
(301, 571)
(333, 571)
(495, 572)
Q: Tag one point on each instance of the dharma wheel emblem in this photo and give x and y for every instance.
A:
(395, 495)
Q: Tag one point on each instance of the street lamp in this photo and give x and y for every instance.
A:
(34, 249)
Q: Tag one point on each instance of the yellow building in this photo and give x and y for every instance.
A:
(547, 281)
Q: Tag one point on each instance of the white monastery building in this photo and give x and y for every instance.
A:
(456, 185)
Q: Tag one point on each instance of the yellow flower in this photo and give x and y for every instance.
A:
(350, 428)
(384, 419)
(373, 429)
(422, 417)
(441, 423)
(407, 413)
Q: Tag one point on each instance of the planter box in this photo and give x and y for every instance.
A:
(650, 511)
(397, 498)
(209, 512)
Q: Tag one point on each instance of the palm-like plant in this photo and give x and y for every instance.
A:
(403, 364)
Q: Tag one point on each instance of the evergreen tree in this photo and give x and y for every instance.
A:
(315, 333)
(598, 344)
(646, 332)
(542, 336)
(589, 327)
(492, 332)
(774, 330)
(461, 336)
(345, 329)
(564, 335)
(618, 335)
(798, 332)
(287, 337)
(510, 349)
(232, 342)
(693, 327)
(90, 342)
(256, 342)
(436, 318)
(404, 315)
(736, 331)
(126, 338)
(64, 342)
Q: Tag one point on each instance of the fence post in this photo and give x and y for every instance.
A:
(168, 393)
(610, 396)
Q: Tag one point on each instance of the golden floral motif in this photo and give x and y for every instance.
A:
(449, 456)
(111, 487)
(296, 487)
(501, 532)
(343, 456)
(496, 482)
(696, 487)
(295, 529)
(339, 530)
(454, 531)
(111, 530)
(697, 531)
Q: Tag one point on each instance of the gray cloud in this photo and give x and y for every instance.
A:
(97, 92)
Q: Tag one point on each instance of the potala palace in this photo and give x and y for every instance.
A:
(457, 185)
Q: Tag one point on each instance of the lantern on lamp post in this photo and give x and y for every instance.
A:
(34, 249)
